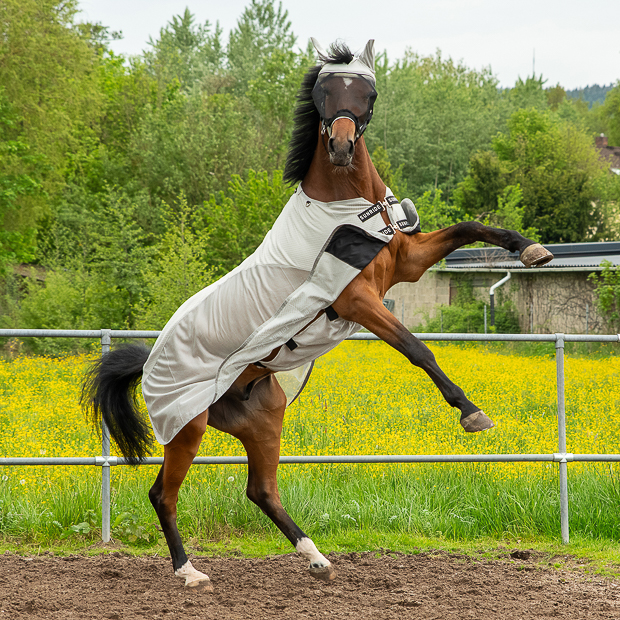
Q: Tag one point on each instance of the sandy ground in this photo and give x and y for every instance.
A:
(426, 585)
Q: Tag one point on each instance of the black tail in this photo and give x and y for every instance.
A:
(109, 392)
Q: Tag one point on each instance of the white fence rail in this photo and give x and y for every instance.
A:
(562, 457)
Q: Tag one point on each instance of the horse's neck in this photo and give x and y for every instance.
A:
(328, 183)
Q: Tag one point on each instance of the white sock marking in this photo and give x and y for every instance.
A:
(192, 576)
(308, 549)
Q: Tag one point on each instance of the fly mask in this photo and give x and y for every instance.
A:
(346, 90)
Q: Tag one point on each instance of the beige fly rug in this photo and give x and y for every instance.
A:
(305, 261)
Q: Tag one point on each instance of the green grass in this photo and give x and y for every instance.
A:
(452, 503)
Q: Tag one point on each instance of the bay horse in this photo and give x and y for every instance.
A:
(196, 377)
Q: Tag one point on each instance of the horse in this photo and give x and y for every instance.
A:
(239, 394)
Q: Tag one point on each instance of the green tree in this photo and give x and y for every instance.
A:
(238, 219)
(272, 93)
(392, 178)
(178, 271)
(193, 144)
(20, 185)
(609, 187)
(556, 95)
(607, 292)
(557, 167)
(128, 91)
(435, 213)
(261, 31)
(48, 69)
(529, 93)
(557, 170)
(187, 53)
(431, 115)
(478, 193)
(71, 298)
(609, 114)
(486, 195)
(509, 213)
(96, 237)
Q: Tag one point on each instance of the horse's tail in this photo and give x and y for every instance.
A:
(109, 392)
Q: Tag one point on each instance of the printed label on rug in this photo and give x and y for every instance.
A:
(370, 212)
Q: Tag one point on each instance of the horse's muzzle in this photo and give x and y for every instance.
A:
(342, 154)
(341, 144)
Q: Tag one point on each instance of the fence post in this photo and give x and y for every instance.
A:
(559, 360)
(106, 340)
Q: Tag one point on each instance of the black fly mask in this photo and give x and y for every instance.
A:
(346, 90)
(340, 95)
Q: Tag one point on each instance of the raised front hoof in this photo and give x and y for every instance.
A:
(323, 573)
(476, 422)
(535, 255)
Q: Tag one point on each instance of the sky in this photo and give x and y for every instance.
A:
(574, 44)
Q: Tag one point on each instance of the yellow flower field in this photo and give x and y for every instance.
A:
(362, 398)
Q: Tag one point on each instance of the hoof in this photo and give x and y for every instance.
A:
(324, 573)
(476, 422)
(194, 578)
(203, 585)
(535, 255)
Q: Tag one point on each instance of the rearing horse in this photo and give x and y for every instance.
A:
(320, 274)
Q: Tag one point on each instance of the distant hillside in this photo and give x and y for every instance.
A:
(590, 94)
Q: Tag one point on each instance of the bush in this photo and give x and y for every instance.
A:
(466, 316)
(69, 299)
(178, 271)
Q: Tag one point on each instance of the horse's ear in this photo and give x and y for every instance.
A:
(323, 55)
(368, 55)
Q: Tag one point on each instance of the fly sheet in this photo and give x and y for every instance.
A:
(305, 261)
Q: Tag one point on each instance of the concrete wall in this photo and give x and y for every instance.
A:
(556, 302)
(546, 301)
(415, 300)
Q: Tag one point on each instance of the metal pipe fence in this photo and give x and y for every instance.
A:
(562, 457)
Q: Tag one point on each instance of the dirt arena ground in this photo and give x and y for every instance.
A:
(426, 586)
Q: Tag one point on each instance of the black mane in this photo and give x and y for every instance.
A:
(306, 120)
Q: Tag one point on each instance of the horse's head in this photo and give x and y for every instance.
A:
(344, 95)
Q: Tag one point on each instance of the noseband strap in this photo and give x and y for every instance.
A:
(326, 124)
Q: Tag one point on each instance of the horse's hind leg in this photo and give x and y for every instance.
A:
(257, 423)
(178, 457)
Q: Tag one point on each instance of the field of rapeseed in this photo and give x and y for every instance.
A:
(363, 398)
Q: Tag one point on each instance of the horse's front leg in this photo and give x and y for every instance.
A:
(429, 248)
(369, 312)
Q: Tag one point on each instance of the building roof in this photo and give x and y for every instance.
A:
(567, 256)
(612, 155)
(609, 153)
